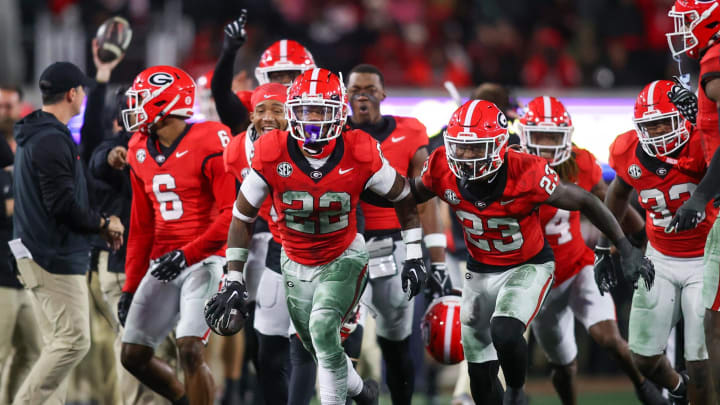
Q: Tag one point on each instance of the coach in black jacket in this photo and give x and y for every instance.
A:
(52, 220)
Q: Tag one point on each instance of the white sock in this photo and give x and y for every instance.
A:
(332, 385)
(354, 382)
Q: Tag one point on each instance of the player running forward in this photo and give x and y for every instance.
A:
(495, 193)
(546, 131)
(177, 177)
(316, 173)
(663, 162)
(403, 142)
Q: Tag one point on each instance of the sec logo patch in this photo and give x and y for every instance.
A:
(634, 171)
(451, 197)
(284, 169)
(140, 155)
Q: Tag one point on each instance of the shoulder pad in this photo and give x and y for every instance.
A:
(410, 123)
(623, 143)
(136, 140)
(235, 150)
(361, 144)
(271, 145)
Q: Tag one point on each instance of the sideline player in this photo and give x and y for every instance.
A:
(494, 192)
(177, 177)
(546, 131)
(316, 173)
(403, 142)
(697, 26)
(663, 160)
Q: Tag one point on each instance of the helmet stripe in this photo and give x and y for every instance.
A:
(469, 113)
(651, 96)
(313, 81)
(547, 109)
(283, 49)
(447, 339)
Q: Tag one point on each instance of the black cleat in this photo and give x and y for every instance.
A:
(515, 396)
(679, 396)
(649, 394)
(370, 393)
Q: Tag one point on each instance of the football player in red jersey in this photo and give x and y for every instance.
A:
(495, 192)
(177, 177)
(403, 142)
(697, 26)
(663, 160)
(281, 63)
(316, 173)
(546, 131)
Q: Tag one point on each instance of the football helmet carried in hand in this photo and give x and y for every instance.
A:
(476, 140)
(546, 130)
(441, 330)
(156, 93)
(660, 127)
(697, 23)
(317, 106)
(283, 56)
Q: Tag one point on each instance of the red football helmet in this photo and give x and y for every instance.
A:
(546, 130)
(659, 125)
(441, 330)
(156, 93)
(697, 23)
(316, 106)
(283, 55)
(476, 140)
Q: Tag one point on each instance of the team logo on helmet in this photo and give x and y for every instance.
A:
(451, 197)
(140, 155)
(160, 79)
(502, 120)
(284, 169)
(634, 171)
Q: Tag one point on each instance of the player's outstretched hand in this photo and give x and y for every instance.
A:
(684, 100)
(168, 266)
(123, 306)
(225, 312)
(687, 216)
(605, 277)
(235, 34)
(635, 265)
(438, 283)
(413, 276)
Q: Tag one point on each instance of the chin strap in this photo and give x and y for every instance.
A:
(318, 150)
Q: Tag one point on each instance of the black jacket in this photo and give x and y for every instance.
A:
(52, 214)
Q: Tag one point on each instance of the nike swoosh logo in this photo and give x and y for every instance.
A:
(268, 95)
(395, 140)
(341, 171)
(180, 154)
(506, 202)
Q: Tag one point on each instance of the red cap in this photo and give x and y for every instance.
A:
(272, 91)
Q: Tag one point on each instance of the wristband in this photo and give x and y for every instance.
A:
(234, 276)
(412, 235)
(236, 254)
(435, 240)
(413, 251)
(239, 215)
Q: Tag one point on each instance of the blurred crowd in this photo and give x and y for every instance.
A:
(419, 43)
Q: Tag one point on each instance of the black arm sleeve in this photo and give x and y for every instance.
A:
(709, 187)
(98, 165)
(92, 130)
(232, 112)
(53, 161)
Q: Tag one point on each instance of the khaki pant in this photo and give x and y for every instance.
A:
(60, 303)
(129, 390)
(19, 341)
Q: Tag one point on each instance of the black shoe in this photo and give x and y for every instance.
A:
(649, 394)
(515, 396)
(370, 393)
(679, 396)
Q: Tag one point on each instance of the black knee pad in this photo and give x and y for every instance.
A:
(506, 332)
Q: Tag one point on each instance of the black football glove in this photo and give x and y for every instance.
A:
(684, 100)
(438, 284)
(688, 215)
(123, 306)
(235, 34)
(413, 276)
(604, 270)
(168, 266)
(225, 312)
(635, 264)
